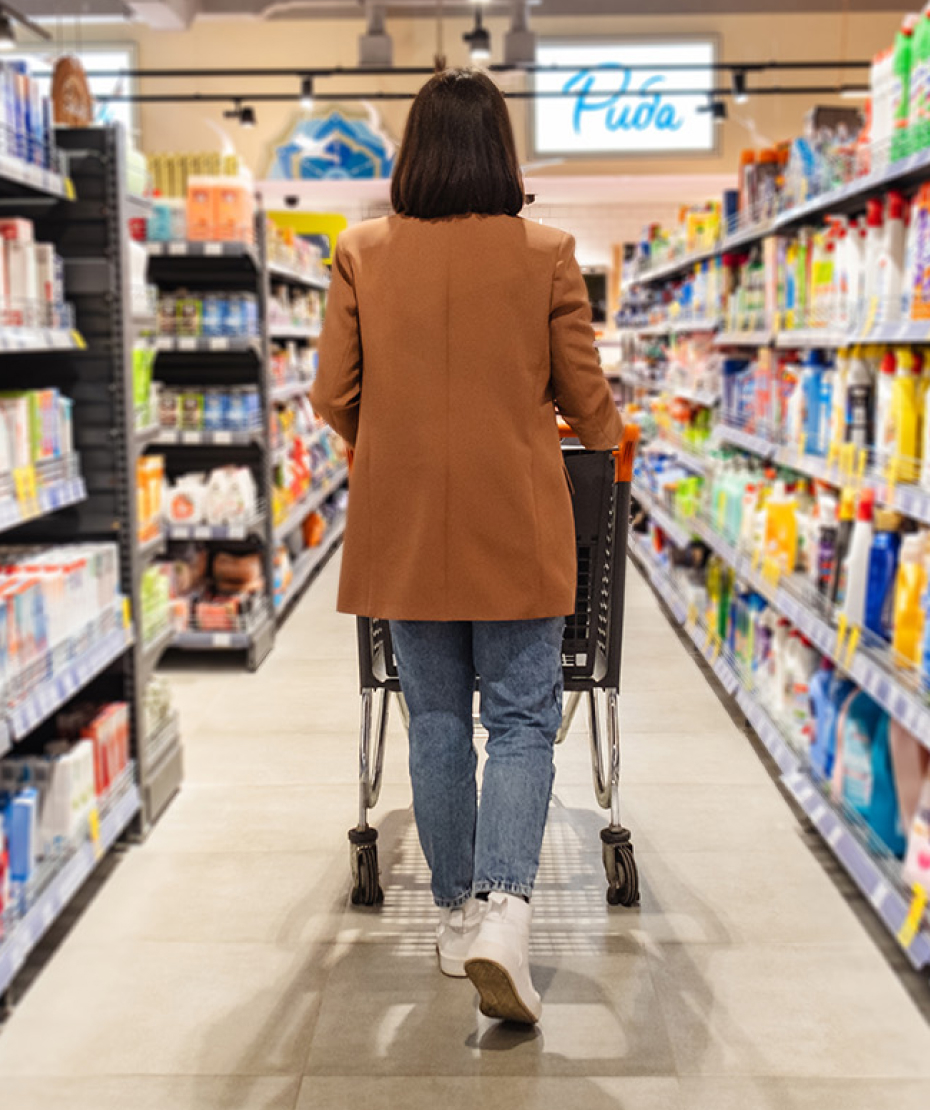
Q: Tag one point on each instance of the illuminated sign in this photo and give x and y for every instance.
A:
(617, 98)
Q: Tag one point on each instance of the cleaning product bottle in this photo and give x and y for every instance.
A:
(884, 412)
(904, 409)
(883, 569)
(860, 401)
(781, 529)
(837, 434)
(920, 80)
(810, 387)
(908, 604)
(874, 244)
(925, 437)
(856, 563)
(901, 89)
(847, 515)
(777, 679)
(827, 528)
(892, 261)
(803, 664)
(827, 385)
(867, 775)
(826, 711)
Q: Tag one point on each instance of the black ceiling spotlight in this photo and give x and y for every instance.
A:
(740, 90)
(478, 40)
(306, 93)
(717, 109)
(243, 113)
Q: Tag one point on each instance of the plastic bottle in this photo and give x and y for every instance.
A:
(874, 245)
(847, 517)
(860, 401)
(827, 385)
(867, 780)
(855, 262)
(803, 664)
(826, 711)
(892, 261)
(781, 529)
(925, 453)
(919, 58)
(778, 667)
(901, 88)
(882, 114)
(908, 611)
(836, 436)
(827, 528)
(810, 389)
(884, 411)
(856, 563)
(904, 415)
(883, 569)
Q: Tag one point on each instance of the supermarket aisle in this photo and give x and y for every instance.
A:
(221, 967)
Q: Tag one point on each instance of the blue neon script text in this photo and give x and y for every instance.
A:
(620, 109)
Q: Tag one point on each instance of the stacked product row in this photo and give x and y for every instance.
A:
(868, 764)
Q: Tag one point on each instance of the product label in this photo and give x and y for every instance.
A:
(857, 768)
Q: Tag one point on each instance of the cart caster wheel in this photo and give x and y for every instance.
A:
(620, 868)
(366, 888)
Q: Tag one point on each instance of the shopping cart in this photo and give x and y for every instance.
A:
(591, 652)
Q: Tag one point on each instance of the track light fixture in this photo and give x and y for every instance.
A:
(740, 90)
(520, 41)
(375, 47)
(243, 113)
(717, 109)
(306, 93)
(478, 40)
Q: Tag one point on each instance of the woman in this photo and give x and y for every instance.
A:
(452, 330)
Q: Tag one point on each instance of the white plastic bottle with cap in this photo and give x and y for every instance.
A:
(856, 564)
(893, 258)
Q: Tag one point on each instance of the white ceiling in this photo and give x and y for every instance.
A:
(173, 14)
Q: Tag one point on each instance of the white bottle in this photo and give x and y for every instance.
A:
(892, 261)
(837, 434)
(855, 267)
(874, 245)
(885, 431)
(856, 563)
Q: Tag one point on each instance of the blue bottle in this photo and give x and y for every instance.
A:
(828, 693)
(811, 385)
(883, 570)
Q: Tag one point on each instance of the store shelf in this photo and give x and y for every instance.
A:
(26, 933)
(870, 873)
(281, 393)
(50, 498)
(189, 249)
(172, 437)
(695, 462)
(744, 338)
(284, 332)
(676, 531)
(896, 691)
(307, 565)
(146, 436)
(19, 178)
(285, 273)
(152, 650)
(49, 696)
(909, 500)
(704, 397)
(211, 532)
(149, 548)
(242, 344)
(192, 640)
(39, 340)
(139, 208)
(310, 504)
(811, 339)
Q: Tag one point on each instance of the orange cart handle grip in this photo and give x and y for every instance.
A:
(625, 454)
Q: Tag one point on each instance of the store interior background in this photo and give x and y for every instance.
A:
(641, 190)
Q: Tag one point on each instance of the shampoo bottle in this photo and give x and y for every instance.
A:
(883, 569)
(856, 563)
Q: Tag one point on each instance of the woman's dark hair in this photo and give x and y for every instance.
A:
(458, 156)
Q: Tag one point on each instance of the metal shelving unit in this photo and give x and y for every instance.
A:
(309, 565)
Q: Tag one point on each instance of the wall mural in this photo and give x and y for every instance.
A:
(346, 142)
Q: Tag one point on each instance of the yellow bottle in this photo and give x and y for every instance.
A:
(781, 529)
(910, 587)
(903, 465)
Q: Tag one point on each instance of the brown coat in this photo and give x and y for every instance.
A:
(444, 346)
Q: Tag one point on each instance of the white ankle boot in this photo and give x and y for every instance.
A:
(455, 934)
(499, 964)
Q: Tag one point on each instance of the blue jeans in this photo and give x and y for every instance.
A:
(472, 849)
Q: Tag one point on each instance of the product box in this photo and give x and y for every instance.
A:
(234, 210)
(14, 229)
(189, 322)
(49, 293)
(169, 408)
(201, 209)
(167, 314)
(192, 412)
(16, 411)
(22, 279)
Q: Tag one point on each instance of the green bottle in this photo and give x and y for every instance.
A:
(901, 88)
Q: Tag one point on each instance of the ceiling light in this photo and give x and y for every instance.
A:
(479, 40)
(717, 109)
(740, 93)
(7, 35)
(375, 47)
(247, 117)
(306, 93)
(520, 41)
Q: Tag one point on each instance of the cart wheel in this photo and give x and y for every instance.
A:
(366, 889)
(620, 867)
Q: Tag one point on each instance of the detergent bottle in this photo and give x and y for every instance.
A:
(860, 401)
(810, 387)
(904, 413)
(856, 563)
(847, 516)
(901, 88)
(884, 412)
(829, 691)
(883, 570)
(837, 434)
(907, 639)
(781, 529)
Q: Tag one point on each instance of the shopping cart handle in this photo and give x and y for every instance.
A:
(624, 454)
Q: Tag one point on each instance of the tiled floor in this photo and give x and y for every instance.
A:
(220, 964)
